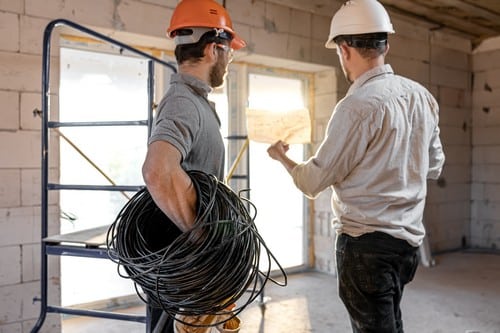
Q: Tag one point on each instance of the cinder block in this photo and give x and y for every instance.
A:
(486, 154)
(460, 79)
(486, 173)
(21, 149)
(19, 226)
(10, 261)
(12, 6)
(251, 13)
(449, 193)
(458, 155)
(402, 46)
(329, 82)
(492, 193)
(83, 12)
(32, 30)
(486, 116)
(453, 97)
(132, 13)
(51, 324)
(299, 48)
(453, 116)
(477, 192)
(413, 29)
(243, 31)
(450, 41)
(10, 114)
(22, 225)
(486, 61)
(450, 58)
(488, 210)
(10, 182)
(454, 136)
(300, 23)
(482, 231)
(31, 259)
(9, 32)
(457, 173)
(487, 80)
(324, 105)
(450, 212)
(23, 72)
(11, 328)
(486, 136)
(323, 56)
(31, 187)
(30, 102)
(486, 99)
(320, 29)
(325, 82)
(269, 44)
(412, 69)
(277, 18)
(165, 3)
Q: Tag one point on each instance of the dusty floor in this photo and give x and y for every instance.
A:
(461, 294)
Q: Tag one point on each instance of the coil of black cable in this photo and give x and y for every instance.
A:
(202, 271)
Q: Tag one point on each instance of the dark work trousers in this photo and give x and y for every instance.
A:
(159, 324)
(372, 272)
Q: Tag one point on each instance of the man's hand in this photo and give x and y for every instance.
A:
(277, 151)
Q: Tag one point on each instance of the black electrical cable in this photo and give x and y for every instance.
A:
(199, 272)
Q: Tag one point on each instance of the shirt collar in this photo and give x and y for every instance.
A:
(198, 85)
(368, 75)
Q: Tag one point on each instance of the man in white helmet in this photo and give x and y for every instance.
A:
(381, 145)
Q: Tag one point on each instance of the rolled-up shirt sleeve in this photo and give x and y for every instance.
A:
(347, 137)
(436, 156)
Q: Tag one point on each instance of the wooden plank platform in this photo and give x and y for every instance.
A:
(94, 237)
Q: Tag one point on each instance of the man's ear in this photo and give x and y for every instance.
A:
(210, 52)
(345, 50)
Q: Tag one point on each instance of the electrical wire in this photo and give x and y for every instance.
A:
(199, 272)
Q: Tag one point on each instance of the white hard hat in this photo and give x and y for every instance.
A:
(359, 17)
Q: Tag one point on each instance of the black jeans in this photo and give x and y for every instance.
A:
(166, 324)
(372, 272)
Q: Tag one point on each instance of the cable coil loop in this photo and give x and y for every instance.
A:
(202, 271)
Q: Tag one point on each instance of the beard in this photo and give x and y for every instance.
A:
(217, 73)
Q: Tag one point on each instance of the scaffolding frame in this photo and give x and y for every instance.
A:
(51, 246)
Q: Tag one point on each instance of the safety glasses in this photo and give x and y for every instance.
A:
(228, 50)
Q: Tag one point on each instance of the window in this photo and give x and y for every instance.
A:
(280, 205)
(98, 87)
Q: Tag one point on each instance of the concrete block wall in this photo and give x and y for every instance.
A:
(485, 197)
(432, 58)
(442, 63)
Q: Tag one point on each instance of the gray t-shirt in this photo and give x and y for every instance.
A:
(188, 120)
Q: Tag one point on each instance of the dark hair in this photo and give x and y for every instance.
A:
(368, 45)
(194, 52)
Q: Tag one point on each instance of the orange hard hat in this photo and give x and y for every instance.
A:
(203, 14)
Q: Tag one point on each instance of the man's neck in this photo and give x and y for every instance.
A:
(197, 70)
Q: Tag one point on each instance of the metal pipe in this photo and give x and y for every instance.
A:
(98, 314)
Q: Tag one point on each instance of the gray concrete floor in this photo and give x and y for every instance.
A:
(460, 294)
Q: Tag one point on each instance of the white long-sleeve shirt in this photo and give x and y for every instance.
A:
(381, 145)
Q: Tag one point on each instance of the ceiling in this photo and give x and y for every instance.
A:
(475, 19)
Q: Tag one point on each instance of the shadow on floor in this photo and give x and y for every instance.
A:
(461, 294)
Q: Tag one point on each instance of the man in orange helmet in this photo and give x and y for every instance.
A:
(186, 132)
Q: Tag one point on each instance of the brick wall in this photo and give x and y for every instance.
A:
(485, 219)
(436, 59)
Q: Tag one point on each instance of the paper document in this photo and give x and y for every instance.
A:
(268, 126)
